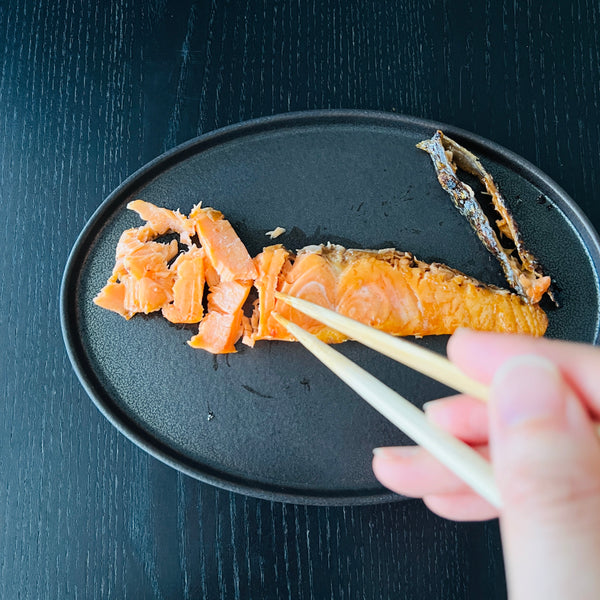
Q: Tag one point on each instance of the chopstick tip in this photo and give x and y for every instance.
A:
(281, 320)
(289, 326)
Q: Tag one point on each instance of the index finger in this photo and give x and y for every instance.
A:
(480, 354)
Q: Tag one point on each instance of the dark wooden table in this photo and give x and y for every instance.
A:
(89, 92)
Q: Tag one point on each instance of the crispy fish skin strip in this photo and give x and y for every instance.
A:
(523, 273)
(506, 224)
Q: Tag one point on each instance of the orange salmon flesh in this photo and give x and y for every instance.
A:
(387, 289)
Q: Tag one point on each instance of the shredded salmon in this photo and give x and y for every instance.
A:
(188, 288)
(145, 280)
(141, 281)
(162, 220)
(269, 264)
(222, 327)
(225, 250)
(387, 289)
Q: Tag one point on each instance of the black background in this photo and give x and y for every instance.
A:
(89, 92)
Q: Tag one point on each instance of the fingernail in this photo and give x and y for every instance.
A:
(391, 452)
(461, 330)
(428, 405)
(527, 388)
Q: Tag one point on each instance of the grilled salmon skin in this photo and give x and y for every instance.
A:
(521, 268)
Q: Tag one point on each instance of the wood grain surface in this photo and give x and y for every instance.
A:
(89, 92)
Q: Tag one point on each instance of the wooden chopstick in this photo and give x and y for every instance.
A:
(416, 357)
(472, 468)
(420, 359)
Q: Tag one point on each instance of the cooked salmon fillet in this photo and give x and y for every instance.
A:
(386, 289)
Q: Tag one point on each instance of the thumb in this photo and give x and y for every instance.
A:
(546, 461)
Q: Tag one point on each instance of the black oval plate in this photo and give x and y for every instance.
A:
(271, 421)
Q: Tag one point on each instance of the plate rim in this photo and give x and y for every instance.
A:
(162, 451)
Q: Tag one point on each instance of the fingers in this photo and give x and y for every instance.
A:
(462, 416)
(412, 471)
(547, 465)
(480, 354)
(467, 506)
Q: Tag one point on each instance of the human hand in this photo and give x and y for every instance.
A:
(544, 452)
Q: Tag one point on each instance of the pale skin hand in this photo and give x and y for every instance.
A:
(544, 451)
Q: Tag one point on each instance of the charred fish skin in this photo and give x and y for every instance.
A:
(523, 271)
(464, 199)
(506, 224)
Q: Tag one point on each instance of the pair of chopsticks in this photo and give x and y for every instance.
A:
(467, 464)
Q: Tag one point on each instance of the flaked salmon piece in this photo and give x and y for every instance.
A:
(210, 273)
(395, 293)
(247, 331)
(162, 220)
(147, 294)
(150, 258)
(141, 280)
(131, 295)
(130, 241)
(222, 326)
(112, 297)
(269, 264)
(188, 288)
(521, 269)
(223, 247)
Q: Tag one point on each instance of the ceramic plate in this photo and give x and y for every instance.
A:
(271, 421)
